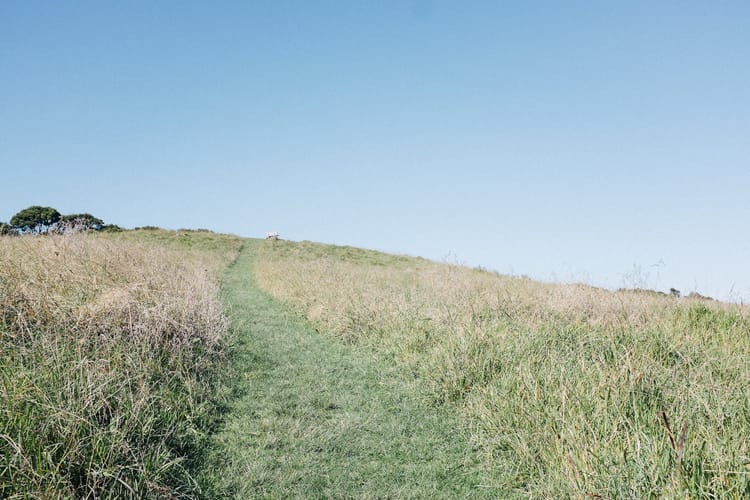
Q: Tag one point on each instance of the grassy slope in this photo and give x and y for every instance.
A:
(565, 391)
(214, 248)
(315, 418)
(568, 390)
(110, 351)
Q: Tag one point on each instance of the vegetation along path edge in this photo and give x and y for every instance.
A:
(316, 418)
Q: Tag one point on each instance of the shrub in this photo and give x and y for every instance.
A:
(7, 230)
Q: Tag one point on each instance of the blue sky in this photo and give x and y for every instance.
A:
(605, 142)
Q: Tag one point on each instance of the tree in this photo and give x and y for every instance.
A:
(35, 218)
(81, 222)
(7, 229)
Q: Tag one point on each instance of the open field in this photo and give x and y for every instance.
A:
(568, 390)
(125, 371)
(111, 347)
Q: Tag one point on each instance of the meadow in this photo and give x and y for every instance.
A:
(111, 353)
(147, 364)
(566, 390)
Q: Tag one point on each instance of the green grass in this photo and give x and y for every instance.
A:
(199, 241)
(568, 390)
(111, 356)
(317, 419)
(349, 373)
(309, 251)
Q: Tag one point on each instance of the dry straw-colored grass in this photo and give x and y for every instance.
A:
(110, 350)
(100, 288)
(569, 390)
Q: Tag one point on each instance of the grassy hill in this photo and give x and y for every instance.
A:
(569, 390)
(123, 357)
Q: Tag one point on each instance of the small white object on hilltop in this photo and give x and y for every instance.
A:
(272, 236)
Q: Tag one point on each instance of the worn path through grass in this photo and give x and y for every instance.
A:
(315, 418)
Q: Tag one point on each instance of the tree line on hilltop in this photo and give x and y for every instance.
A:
(44, 220)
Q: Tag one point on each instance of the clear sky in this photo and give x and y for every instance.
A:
(605, 142)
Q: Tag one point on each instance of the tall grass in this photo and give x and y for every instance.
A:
(110, 352)
(569, 390)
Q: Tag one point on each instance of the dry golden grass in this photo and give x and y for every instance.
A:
(569, 390)
(98, 287)
(110, 351)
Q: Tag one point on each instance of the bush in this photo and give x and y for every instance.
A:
(7, 230)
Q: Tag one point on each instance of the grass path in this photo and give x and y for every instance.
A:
(314, 418)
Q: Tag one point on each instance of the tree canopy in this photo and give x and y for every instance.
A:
(38, 219)
(35, 217)
(6, 229)
(82, 221)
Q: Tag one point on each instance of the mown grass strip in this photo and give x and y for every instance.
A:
(314, 418)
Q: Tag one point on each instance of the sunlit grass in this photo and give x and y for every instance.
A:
(110, 353)
(569, 390)
(318, 419)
